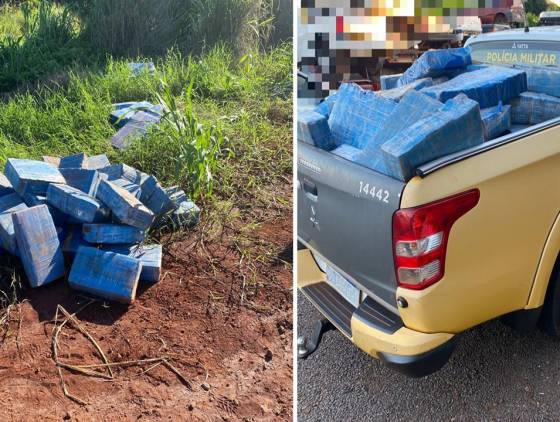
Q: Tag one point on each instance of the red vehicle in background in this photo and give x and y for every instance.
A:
(508, 12)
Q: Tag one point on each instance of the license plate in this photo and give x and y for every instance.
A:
(344, 287)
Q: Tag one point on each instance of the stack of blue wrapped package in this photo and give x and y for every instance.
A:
(456, 126)
(531, 108)
(488, 86)
(357, 115)
(47, 212)
(436, 63)
(413, 107)
(496, 121)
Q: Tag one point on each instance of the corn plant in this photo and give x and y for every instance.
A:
(199, 147)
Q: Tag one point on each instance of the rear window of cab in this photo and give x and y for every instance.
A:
(531, 53)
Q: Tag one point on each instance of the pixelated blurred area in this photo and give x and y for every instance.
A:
(340, 40)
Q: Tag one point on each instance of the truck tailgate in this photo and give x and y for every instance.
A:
(345, 215)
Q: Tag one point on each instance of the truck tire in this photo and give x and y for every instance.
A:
(500, 19)
(550, 317)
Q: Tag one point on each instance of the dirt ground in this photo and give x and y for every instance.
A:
(229, 335)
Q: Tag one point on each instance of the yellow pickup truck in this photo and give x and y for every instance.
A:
(402, 268)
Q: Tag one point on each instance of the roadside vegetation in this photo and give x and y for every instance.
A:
(60, 75)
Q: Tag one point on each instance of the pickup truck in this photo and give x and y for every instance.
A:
(402, 268)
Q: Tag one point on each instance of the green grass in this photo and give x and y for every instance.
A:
(243, 105)
(41, 39)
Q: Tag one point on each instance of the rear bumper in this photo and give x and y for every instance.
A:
(374, 329)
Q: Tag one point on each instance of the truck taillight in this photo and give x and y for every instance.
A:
(420, 237)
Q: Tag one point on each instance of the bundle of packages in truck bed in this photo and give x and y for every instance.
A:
(83, 214)
(441, 105)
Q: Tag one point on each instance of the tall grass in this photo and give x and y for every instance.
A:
(152, 27)
(48, 41)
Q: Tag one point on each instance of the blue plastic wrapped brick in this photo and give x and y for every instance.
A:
(126, 112)
(39, 245)
(456, 127)
(413, 107)
(357, 115)
(347, 151)
(106, 274)
(531, 108)
(76, 161)
(397, 93)
(77, 204)
(325, 107)
(313, 128)
(29, 176)
(496, 121)
(125, 206)
(435, 63)
(542, 79)
(488, 86)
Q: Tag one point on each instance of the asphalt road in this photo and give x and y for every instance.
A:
(495, 373)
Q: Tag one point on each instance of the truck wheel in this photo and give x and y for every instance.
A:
(550, 317)
(500, 19)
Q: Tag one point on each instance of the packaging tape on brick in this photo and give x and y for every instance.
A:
(488, 86)
(496, 121)
(313, 128)
(357, 115)
(531, 108)
(413, 107)
(436, 63)
(455, 127)
(39, 245)
(545, 80)
(396, 94)
(105, 274)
